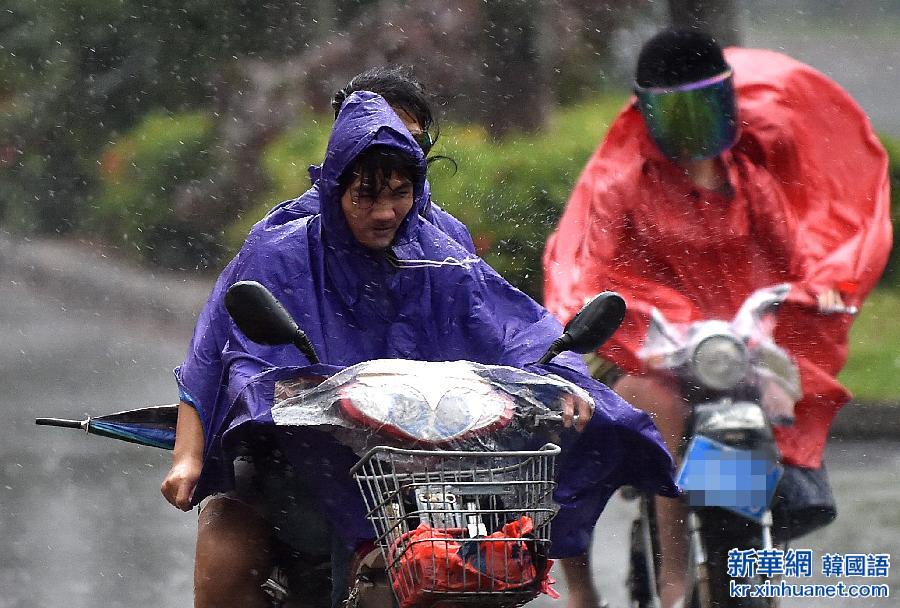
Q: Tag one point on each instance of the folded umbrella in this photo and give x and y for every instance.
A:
(153, 426)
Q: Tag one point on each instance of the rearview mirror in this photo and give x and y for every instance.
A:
(263, 319)
(591, 327)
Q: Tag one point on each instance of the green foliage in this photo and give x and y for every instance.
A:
(140, 175)
(511, 194)
(286, 162)
(873, 369)
(75, 74)
(891, 276)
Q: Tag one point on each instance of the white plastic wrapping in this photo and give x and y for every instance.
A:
(449, 405)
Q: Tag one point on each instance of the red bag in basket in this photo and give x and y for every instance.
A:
(440, 560)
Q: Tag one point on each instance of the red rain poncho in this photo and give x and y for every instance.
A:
(810, 206)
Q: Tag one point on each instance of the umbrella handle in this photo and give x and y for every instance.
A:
(69, 424)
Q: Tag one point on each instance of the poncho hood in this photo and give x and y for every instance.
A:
(365, 120)
(365, 117)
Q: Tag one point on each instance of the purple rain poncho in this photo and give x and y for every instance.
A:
(356, 304)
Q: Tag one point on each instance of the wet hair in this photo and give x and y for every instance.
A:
(397, 85)
(399, 88)
(376, 165)
(674, 57)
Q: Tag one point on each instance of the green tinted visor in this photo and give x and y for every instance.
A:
(693, 121)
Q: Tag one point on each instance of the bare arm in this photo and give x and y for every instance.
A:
(187, 459)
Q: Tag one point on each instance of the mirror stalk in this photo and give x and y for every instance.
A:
(301, 341)
(559, 346)
(588, 330)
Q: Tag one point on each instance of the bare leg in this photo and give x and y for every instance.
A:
(670, 520)
(661, 400)
(233, 556)
(582, 592)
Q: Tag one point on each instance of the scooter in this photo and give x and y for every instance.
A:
(737, 383)
(461, 504)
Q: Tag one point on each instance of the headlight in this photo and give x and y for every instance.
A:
(720, 362)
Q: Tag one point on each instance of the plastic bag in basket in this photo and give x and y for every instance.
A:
(441, 560)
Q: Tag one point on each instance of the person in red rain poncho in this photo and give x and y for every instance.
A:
(774, 175)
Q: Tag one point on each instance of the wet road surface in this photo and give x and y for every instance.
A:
(83, 523)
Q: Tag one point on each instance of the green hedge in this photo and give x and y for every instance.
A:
(140, 176)
(891, 278)
(873, 369)
(286, 162)
(510, 194)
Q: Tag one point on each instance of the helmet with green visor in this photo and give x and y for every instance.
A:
(685, 93)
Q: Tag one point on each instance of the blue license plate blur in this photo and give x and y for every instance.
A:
(713, 474)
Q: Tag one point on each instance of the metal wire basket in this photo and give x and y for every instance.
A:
(461, 527)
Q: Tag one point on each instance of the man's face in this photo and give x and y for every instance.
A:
(374, 212)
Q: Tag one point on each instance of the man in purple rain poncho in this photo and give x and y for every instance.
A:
(368, 278)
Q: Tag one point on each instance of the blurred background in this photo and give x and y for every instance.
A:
(139, 141)
(164, 129)
(160, 132)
